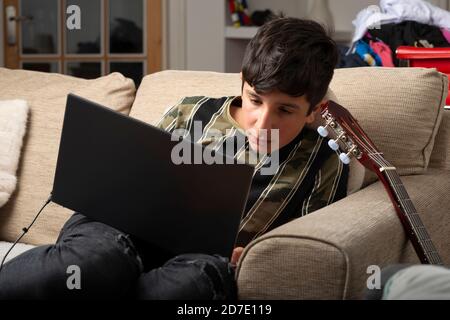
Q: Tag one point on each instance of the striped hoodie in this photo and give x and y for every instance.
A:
(308, 175)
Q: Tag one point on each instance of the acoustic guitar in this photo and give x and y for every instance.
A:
(348, 136)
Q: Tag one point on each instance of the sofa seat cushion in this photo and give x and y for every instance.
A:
(46, 96)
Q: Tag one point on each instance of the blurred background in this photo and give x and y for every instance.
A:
(138, 37)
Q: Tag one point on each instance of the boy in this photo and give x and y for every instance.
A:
(285, 75)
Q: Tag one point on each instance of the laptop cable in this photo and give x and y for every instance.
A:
(24, 231)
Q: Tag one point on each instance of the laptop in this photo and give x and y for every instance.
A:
(118, 170)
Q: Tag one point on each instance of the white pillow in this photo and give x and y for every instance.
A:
(13, 121)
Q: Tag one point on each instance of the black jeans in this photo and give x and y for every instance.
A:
(110, 265)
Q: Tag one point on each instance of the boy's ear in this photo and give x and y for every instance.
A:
(313, 119)
(318, 107)
(240, 75)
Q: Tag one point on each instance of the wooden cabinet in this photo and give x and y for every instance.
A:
(83, 38)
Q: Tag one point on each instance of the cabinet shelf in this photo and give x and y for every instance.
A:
(249, 32)
(240, 32)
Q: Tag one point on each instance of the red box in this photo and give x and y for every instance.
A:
(438, 58)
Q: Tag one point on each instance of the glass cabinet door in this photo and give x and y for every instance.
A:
(114, 36)
(84, 69)
(133, 70)
(40, 27)
(42, 66)
(126, 26)
(88, 40)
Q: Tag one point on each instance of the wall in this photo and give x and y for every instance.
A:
(1, 35)
(205, 47)
(175, 27)
(445, 4)
(288, 7)
(345, 11)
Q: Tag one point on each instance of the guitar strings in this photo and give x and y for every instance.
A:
(424, 238)
(395, 181)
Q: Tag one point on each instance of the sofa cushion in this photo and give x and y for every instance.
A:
(440, 157)
(46, 95)
(161, 90)
(13, 123)
(17, 250)
(399, 108)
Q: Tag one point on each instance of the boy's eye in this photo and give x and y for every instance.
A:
(286, 111)
(255, 101)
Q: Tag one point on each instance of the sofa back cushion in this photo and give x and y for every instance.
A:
(399, 108)
(46, 95)
(440, 157)
(159, 91)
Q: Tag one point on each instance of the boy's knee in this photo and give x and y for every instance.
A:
(102, 252)
(219, 272)
(107, 264)
(96, 245)
(190, 276)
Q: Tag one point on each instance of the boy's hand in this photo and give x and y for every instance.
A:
(236, 255)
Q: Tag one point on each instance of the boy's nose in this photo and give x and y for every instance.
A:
(264, 121)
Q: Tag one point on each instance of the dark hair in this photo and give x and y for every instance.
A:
(292, 55)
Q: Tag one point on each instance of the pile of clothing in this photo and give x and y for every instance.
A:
(379, 31)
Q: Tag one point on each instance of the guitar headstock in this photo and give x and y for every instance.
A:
(347, 135)
(354, 142)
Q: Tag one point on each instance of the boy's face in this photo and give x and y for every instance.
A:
(273, 110)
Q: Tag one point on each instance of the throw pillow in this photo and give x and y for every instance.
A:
(13, 121)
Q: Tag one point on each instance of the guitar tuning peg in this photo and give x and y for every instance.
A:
(333, 145)
(344, 158)
(322, 131)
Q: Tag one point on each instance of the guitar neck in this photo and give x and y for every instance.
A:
(409, 217)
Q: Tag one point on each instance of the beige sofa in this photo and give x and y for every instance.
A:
(324, 255)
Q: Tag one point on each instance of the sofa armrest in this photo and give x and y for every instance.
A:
(325, 255)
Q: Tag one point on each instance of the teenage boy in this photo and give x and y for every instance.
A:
(285, 76)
